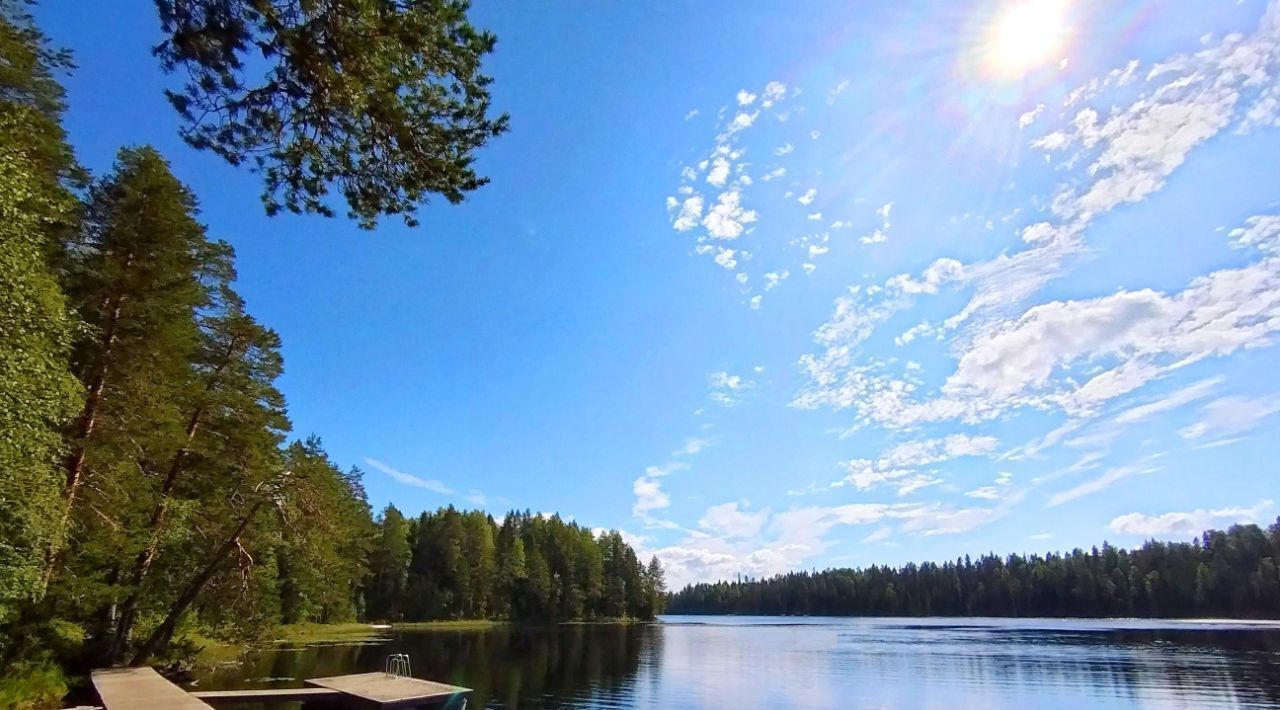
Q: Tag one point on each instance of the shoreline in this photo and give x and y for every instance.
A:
(214, 652)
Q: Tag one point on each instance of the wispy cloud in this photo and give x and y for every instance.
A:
(1106, 480)
(728, 389)
(693, 445)
(1232, 415)
(411, 480)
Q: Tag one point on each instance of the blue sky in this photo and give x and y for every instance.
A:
(772, 288)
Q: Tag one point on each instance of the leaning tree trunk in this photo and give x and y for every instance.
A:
(142, 563)
(85, 426)
(160, 637)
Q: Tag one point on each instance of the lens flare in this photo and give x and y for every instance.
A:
(1025, 35)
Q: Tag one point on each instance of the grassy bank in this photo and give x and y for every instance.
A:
(303, 633)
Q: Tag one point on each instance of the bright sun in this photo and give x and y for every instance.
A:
(1025, 35)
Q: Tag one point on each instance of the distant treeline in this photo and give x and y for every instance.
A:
(465, 565)
(1224, 574)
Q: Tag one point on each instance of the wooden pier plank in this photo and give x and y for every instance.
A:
(385, 691)
(131, 688)
(265, 695)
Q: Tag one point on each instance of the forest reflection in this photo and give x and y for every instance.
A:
(706, 662)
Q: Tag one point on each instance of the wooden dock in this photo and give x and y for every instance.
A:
(387, 691)
(231, 698)
(141, 688)
(133, 688)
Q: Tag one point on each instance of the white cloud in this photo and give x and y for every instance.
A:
(746, 98)
(774, 90)
(876, 237)
(1029, 117)
(1135, 336)
(1106, 480)
(786, 149)
(740, 122)
(755, 302)
(411, 480)
(719, 172)
(1261, 232)
(689, 215)
(1173, 400)
(729, 521)
(727, 389)
(1232, 415)
(724, 257)
(996, 491)
(1123, 157)
(691, 114)
(1189, 523)
(727, 219)
(899, 465)
(942, 271)
(666, 469)
(880, 534)
(734, 541)
(808, 196)
(836, 91)
(649, 496)
(692, 445)
(773, 278)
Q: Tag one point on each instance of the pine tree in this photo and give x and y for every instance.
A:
(137, 280)
(384, 101)
(389, 567)
(657, 587)
(231, 396)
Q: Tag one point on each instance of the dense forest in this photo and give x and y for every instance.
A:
(149, 488)
(465, 565)
(1221, 574)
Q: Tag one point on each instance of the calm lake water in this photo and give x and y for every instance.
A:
(755, 662)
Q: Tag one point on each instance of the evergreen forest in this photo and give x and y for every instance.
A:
(1231, 573)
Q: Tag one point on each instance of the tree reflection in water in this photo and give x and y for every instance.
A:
(506, 666)
(796, 662)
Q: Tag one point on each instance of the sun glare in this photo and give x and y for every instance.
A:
(1026, 35)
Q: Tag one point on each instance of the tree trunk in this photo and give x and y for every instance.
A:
(85, 426)
(142, 563)
(160, 637)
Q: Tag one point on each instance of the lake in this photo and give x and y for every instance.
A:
(791, 662)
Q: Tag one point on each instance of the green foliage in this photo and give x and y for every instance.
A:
(136, 274)
(384, 100)
(32, 686)
(389, 567)
(1222, 574)
(37, 390)
(464, 565)
(325, 538)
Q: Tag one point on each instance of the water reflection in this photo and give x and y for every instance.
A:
(822, 663)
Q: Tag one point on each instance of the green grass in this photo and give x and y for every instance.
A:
(458, 625)
(303, 633)
(309, 632)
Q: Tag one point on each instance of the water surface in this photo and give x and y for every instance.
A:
(815, 662)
